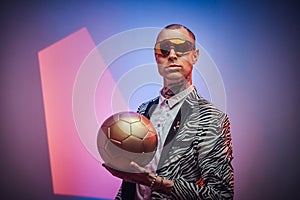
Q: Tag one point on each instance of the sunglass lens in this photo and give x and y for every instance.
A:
(165, 48)
(180, 47)
(165, 52)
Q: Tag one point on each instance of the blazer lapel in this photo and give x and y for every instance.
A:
(174, 145)
(150, 108)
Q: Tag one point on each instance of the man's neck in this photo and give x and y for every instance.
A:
(170, 90)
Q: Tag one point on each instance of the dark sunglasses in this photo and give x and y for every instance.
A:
(180, 47)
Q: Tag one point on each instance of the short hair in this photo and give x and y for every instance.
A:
(179, 26)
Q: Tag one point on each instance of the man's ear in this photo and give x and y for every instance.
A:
(156, 57)
(195, 56)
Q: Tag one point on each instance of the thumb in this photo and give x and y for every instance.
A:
(136, 167)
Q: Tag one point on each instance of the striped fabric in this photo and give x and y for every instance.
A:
(197, 153)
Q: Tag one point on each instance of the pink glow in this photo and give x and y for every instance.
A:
(75, 165)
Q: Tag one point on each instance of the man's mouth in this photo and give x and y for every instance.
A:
(174, 67)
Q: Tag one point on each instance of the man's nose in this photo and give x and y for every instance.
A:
(172, 54)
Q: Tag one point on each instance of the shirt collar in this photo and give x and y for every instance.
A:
(172, 101)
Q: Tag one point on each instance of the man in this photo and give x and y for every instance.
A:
(193, 159)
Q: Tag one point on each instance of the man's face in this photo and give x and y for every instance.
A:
(175, 65)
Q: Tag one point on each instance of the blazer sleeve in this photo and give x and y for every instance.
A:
(216, 180)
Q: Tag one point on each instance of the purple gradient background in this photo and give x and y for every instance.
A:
(254, 44)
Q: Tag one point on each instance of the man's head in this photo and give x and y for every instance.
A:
(175, 54)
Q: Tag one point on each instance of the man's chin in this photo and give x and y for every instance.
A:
(175, 79)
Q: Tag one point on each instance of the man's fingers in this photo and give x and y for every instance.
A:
(134, 165)
(137, 168)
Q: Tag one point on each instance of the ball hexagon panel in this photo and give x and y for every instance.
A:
(133, 144)
(119, 131)
(138, 129)
(129, 117)
(150, 142)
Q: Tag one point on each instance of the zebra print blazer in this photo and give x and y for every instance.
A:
(197, 153)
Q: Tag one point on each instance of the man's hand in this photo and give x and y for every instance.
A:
(138, 174)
